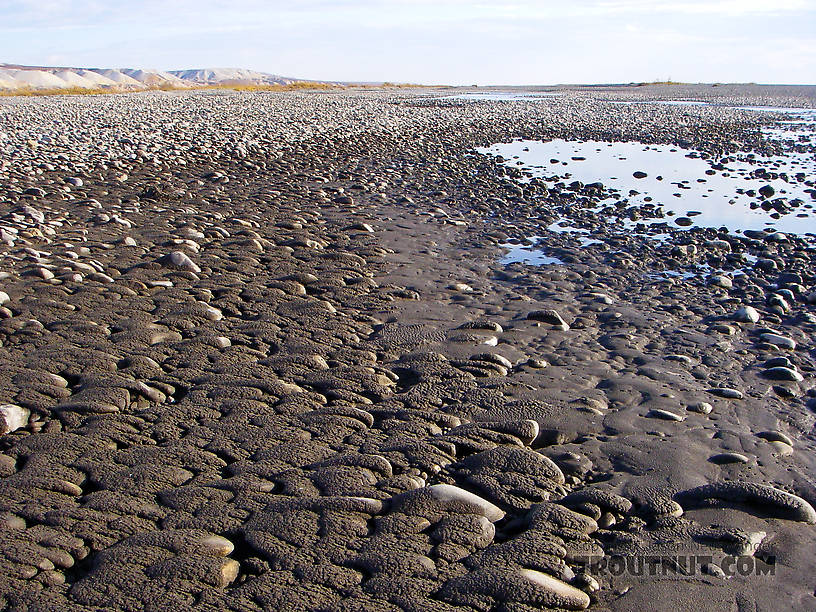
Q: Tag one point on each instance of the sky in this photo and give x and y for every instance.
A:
(454, 42)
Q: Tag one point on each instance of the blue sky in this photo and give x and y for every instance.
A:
(427, 41)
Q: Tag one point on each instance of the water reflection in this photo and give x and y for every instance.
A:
(528, 254)
(502, 96)
(678, 183)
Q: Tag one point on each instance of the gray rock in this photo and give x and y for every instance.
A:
(35, 214)
(712, 569)
(720, 280)
(781, 373)
(435, 501)
(180, 260)
(657, 413)
(746, 314)
(701, 407)
(725, 458)
(775, 436)
(770, 499)
(777, 340)
(526, 586)
(726, 392)
(551, 317)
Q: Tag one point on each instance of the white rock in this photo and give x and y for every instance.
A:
(217, 546)
(183, 261)
(450, 493)
(746, 314)
(569, 597)
(13, 417)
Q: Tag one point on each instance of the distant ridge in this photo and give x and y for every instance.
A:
(231, 76)
(16, 77)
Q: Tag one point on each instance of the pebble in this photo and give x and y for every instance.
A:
(181, 260)
(726, 392)
(720, 280)
(217, 546)
(781, 373)
(770, 499)
(658, 413)
(601, 498)
(700, 407)
(746, 314)
(723, 458)
(778, 362)
(586, 582)
(551, 317)
(13, 417)
(435, 500)
(712, 569)
(363, 227)
(490, 326)
(527, 587)
(493, 358)
(566, 595)
(777, 340)
(775, 436)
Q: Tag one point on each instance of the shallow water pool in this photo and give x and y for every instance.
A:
(710, 192)
(529, 254)
(499, 96)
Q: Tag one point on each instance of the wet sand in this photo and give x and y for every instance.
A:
(259, 351)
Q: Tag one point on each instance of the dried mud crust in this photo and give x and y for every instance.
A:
(294, 377)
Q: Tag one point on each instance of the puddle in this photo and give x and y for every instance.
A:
(500, 96)
(585, 242)
(804, 113)
(712, 193)
(662, 102)
(669, 274)
(562, 227)
(529, 254)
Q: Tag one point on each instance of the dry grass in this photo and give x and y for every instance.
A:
(294, 86)
(59, 91)
(83, 91)
(669, 82)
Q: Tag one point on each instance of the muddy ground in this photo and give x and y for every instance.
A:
(258, 351)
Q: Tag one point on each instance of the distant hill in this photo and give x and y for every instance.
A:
(15, 77)
(230, 76)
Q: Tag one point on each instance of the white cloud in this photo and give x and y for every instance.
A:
(461, 38)
(60, 14)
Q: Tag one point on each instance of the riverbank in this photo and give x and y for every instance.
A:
(252, 341)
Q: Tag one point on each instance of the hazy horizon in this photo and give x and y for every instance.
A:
(450, 42)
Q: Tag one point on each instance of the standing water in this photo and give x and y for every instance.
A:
(752, 193)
